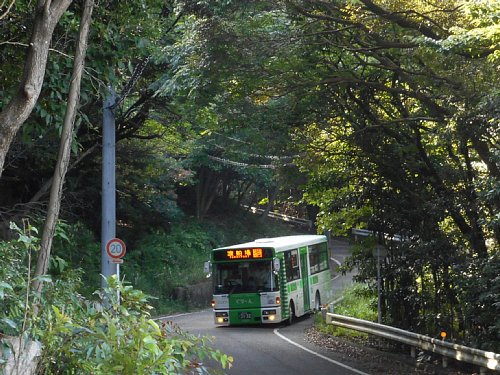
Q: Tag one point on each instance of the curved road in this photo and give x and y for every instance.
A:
(276, 349)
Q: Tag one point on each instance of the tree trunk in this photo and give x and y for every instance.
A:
(242, 191)
(205, 191)
(473, 235)
(270, 203)
(22, 103)
(226, 189)
(65, 147)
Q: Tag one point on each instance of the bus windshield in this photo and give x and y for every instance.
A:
(245, 277)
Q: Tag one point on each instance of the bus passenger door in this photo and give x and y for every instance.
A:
(305, 278)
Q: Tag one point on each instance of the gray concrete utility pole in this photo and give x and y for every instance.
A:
(108, 213)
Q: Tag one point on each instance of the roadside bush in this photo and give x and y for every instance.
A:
(81, 336)
(76, 244)
(120, 338)
(162, 261)
(479, 286)
(15, 265)
(358, 302)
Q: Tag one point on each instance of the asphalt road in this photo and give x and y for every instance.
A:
(276, 349)
(262, 350)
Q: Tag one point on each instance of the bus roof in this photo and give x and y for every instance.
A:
(280, 243)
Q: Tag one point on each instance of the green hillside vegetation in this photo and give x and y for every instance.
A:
(67, 320)
(81, 334)
(161, 261)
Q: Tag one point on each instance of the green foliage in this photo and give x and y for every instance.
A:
(477, 34)
(122, 34)
(479, 293)
(425, 283)
(357, 301)
(393, 108)
(381, 155)
(113, 333)
(120, 338)
(222, 89)
(78, 247)
(18, 314)
(15, 257)
(146, 178)
(175, 259)
(238, 227)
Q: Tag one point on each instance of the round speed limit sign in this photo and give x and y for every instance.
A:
(116, 248)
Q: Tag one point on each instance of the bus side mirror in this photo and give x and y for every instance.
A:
(206, 269)
(276, 264)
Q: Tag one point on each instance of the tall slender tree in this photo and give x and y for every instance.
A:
(65, 147)
(17, 110)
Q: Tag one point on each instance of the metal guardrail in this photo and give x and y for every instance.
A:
(286, 218)
(356, 232)
(486, 360)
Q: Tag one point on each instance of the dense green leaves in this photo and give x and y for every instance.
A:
(81, 335)
(378, 114)
(403, 143)
(121, 339)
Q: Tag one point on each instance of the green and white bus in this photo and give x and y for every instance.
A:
(270, 280)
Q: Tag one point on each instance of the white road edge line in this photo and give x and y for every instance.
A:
(317, 354)
(177, 315)
(336, 261)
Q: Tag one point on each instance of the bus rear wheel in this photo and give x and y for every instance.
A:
(291, 313)
(317, 302)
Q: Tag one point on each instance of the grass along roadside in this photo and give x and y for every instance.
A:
(356, 301)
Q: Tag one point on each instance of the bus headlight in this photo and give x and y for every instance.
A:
(268, 312)
(221, 317)
(269, 315)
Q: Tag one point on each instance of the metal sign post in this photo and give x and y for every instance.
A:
(379, 252)
(116, 249)
(108, 209)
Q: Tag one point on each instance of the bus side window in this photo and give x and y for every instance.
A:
(313, 259)
(292, 265)
(324, 264)
(318, 258)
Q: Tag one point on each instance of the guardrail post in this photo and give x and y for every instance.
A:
(413, 352)
(445, 362)
(330, 309)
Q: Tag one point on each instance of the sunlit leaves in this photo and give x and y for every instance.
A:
(475, 31)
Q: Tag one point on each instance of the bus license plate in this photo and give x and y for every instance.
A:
(245, 315)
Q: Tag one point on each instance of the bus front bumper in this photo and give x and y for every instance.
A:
(267, 315)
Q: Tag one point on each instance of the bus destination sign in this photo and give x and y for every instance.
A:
(243, 254)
